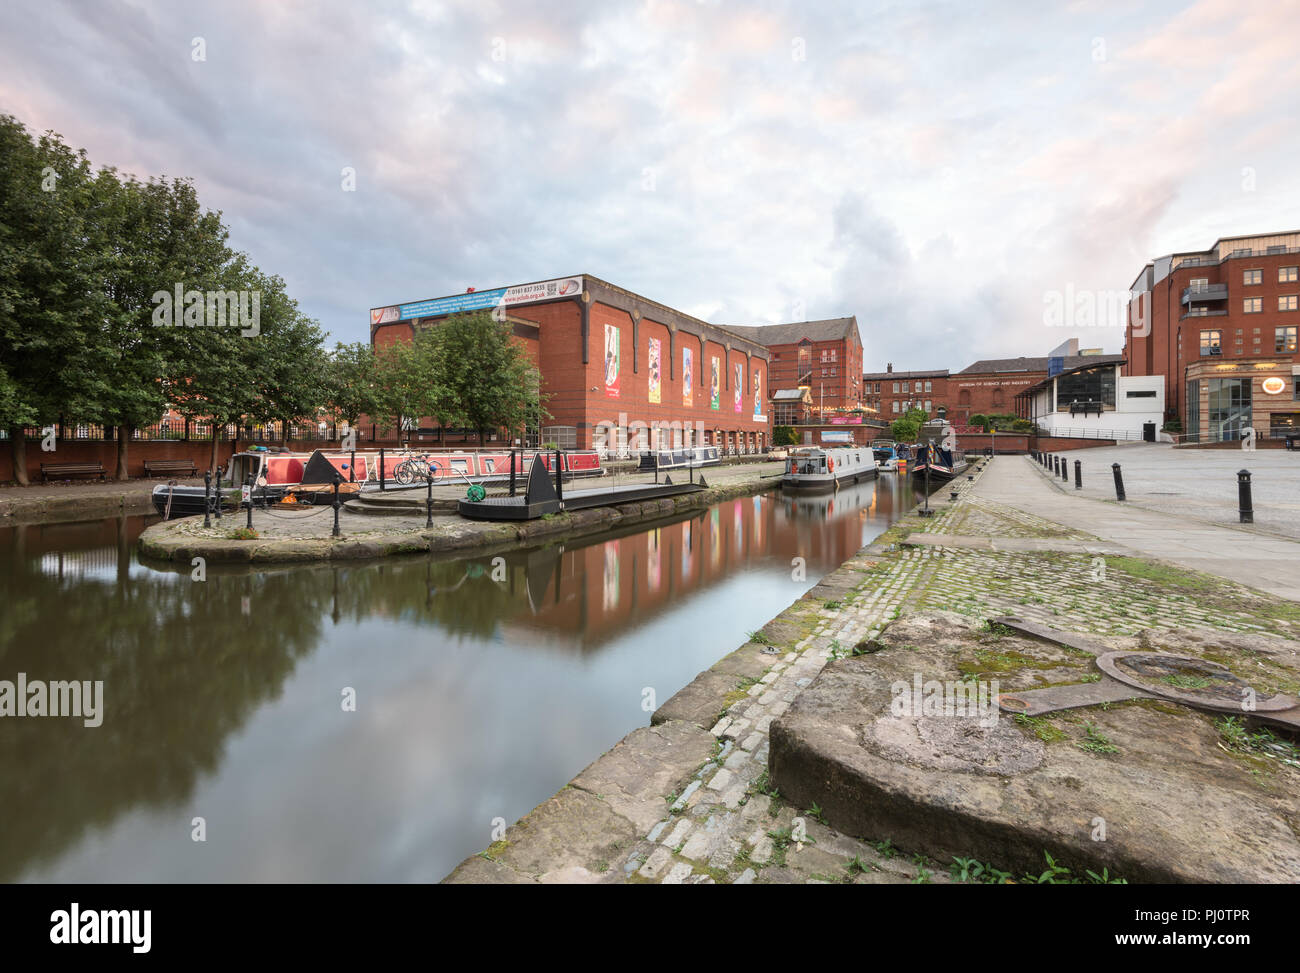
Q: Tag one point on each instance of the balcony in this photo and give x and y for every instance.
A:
(1201, 312)
(1206, 292)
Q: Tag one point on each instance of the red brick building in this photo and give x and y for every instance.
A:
(1221, 326)
(889, 394)
(824, 357)
(619, 371)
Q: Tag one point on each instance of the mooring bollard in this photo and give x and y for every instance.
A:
(1078, 475)
(1065, 469)
(1247, 509)
(381, 469)
(559, 479)
(512, 472)
(1119, 482)
(207, 498)
(337, 480)
(428, 497)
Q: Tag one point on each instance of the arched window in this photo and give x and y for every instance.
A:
(963, 397)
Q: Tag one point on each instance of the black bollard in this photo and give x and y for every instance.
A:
(1056, 464)
(216, 495)
(1065, 469)
(250, 501)
(337, 480)
(1078, 475)
(512, 472)
(559, 479)
(352, 465)
(428, 498)
(381, 470)
(1119, 482)
(1247, 509)
(207, 498)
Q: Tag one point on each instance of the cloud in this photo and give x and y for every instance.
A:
(932, 169)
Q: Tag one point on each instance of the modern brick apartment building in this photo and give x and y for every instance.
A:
(1221, 326)
(890, 394)
(824, 357)
(619, 370)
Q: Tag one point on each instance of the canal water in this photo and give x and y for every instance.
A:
(481, 687)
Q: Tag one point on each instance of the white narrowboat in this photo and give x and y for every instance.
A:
(817, 468)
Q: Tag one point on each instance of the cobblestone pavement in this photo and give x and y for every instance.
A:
(728, 826)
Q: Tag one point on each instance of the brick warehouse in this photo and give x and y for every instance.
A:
(890, 394)
(620, 372)
(824, 357)
(1221, 326)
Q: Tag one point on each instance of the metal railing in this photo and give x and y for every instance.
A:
(1120, 435)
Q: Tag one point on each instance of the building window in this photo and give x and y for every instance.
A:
(1141, 394)
(895, 388)
(1252, 305)
(895, 405)
(832, 354)
(1286, 302)
(1211, 343)
(928, 405)
(1199, 284)
(1252, 277)
(1284, 340)
(928, 387)
(1093, 385)
(1286, 275)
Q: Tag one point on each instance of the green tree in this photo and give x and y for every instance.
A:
(349, 380)
(784, 436)
(907, 427)
(47, 271)
(487, 374)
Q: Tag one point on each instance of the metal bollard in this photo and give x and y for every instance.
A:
(559, 478)
(1119, 482)
(381, 470)
(1056, 464)
(428, 499)
(512, 472)
(250, 501)
(337, 480)
(1065, 469)
(207, 498)
(1247, 509)
(1078, 475)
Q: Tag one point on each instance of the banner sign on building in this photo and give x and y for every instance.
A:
(738, 384)
(544, 290)
(611, 361)
(688, 376)
(829, 436)
(715, 384)
(758, 397)
(654, 371)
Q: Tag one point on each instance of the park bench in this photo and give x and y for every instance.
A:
(62, 471)
(170, 467)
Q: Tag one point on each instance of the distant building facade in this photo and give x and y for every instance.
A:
(890, 394)
(825, 357)
(1220, 326)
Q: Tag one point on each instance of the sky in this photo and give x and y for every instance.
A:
(947, 172)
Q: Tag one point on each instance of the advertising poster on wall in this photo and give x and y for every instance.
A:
(611, 361)
(654, 371)
(715, 384)
(738, 385)
(688, 376)
(758, 396)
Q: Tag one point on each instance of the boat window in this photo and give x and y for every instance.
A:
(460, 465)
(489, 465)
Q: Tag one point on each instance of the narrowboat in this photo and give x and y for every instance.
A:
(888, 455)
(309, 477)
(673, 459)
(817, 468)
(943, 462)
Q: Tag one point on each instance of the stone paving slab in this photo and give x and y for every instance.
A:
(964, 542)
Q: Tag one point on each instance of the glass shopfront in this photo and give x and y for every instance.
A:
(1229, 403)
(1092, 386)
(1193, 426)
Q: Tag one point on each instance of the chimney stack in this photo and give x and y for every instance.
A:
(889, 367)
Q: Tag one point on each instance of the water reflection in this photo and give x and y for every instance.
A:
(482, 685)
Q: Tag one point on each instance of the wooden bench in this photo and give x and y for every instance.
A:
(62, 471)
(170, 467)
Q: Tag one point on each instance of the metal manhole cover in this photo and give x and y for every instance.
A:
(1197, 682)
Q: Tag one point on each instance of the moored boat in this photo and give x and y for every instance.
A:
(942, 462)
(672, 459)
(817, 468)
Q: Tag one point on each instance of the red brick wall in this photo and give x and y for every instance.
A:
(94, 451)
(991, 392)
